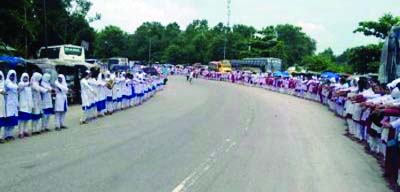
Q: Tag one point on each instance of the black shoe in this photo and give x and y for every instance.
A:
(58, 129)
(64, 127)
(2, 141)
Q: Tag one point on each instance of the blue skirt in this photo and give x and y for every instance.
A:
(48, 111)
(101, 105)
(2, 121)
(109, 99)
(11, 121)
(36, 117)
(23, 116)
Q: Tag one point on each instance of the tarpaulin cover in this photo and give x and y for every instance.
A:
(12, 61)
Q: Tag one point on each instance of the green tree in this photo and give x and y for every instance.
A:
(365, 59)
(317, 63)
(22, 23)
(298, 44)
(328, 53)
(111, 42)
(378, 28)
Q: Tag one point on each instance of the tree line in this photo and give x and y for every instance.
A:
(25, 23)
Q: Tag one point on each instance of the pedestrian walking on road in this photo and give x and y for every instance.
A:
(61, 103)
(25, 105)
(191, 75)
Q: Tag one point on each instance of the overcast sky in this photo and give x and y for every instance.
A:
(329, 22)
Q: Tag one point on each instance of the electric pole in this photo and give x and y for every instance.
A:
(45, 22)
(227, 26)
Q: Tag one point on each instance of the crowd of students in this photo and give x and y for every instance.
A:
(28, 104)
(371, 109)
(111, 92)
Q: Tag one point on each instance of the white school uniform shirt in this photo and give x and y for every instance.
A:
(61, 94)
(101, 88)
(11, 97)
(37, 90)
(128, 87)
(2, 99)
(86, 91)
(25, 95)
(47, 102)
(92, 95)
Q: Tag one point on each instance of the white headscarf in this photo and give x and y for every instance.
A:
(395, 93)
(22, 82)
(1, 80)
(36, 77)
(46, 78)
(11, 72)
(63, 85)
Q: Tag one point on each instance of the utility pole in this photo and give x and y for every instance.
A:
(227, 25)
(26, 33)
(149, 51)
(45, 23)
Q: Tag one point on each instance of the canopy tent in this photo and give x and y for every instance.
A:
(330, 75)
(12, 61)
(277, 74)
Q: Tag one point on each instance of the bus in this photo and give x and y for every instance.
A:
(223, 66)
(68, 52)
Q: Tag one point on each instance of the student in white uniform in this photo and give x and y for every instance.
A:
(109, 93)
(25, 105)
(11, 100)
(37, 90)
(86, 92)
(61, 103)
(101, 95)
(2, 106)
(47, 103)
(115, 90)
(93, 97)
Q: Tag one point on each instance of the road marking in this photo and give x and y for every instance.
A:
(230, 146)
(204, 166)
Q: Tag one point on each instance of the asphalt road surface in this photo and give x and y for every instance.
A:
(208, 136)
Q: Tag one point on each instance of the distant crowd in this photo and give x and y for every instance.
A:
(370, 109)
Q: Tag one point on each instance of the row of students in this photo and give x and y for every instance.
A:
(108, 92)
(28, 104)
(370, 109)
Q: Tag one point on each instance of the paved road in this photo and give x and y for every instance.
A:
(209, 136)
